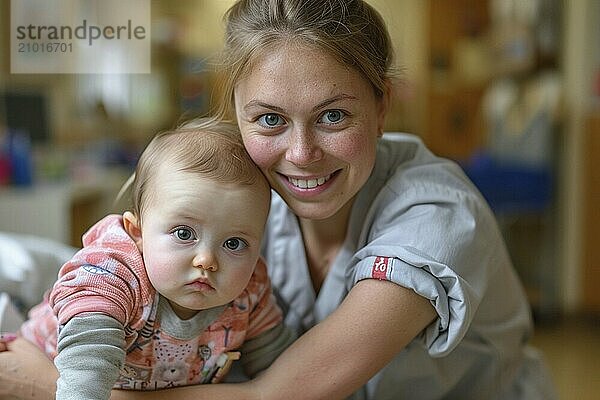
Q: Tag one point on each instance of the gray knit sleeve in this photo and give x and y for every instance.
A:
(90, 355)
(258, 353)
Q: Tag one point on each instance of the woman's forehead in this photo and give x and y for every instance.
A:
(298, 65)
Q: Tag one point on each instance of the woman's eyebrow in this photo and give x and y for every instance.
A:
(258, 103)
(327, 102)
(323, 104)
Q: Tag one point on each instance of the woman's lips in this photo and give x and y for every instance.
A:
(308, 186)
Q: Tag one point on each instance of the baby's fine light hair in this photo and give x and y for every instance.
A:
(205, 146)
(351, 31)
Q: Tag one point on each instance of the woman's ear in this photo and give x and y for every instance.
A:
(133, 229)
(384, 106)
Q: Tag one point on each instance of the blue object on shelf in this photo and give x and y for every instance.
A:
(19, 156)
(511, 188)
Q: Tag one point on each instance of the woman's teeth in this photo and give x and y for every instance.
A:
(308, 183)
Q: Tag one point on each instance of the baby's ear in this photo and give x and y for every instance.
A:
(132, 227)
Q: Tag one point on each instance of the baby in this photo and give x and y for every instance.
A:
(162, 295)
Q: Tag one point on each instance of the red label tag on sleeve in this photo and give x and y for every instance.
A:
(380, 268)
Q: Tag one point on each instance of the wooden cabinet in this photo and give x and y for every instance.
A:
(591, 216)
(455, 128)
(453, 123)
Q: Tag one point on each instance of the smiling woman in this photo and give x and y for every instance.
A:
(384, 257)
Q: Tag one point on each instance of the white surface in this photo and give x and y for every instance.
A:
(10, 318)
(29, 266)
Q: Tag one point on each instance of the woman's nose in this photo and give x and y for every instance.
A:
(303, 147)
(206, 260)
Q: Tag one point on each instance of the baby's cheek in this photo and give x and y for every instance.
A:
(160, 273)
(238, 281)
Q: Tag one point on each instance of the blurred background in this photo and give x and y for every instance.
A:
(510, 89)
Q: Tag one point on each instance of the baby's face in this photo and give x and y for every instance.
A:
(201, 239)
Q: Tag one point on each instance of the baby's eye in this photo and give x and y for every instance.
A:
(332, 116)
(271, 120)
(184, 234)
(235, 244)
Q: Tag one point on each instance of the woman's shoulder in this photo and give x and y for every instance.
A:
(407, 152)
(406, 166)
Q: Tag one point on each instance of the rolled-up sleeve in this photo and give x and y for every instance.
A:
(428, 238)
(449, 294)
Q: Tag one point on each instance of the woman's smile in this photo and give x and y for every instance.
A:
(308, 183)
(308, 186)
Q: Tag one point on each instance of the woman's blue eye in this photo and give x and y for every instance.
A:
(235, 244)
(271, 120)
(332, 116)
(184, 234)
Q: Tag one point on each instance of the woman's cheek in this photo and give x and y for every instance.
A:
(352, 147)
(262, 150)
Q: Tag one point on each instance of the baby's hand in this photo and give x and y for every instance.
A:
(6, 338)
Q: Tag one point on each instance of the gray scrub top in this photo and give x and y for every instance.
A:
(420, 223)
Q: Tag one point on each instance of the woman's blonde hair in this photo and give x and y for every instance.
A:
(351, 31)
(205, 146)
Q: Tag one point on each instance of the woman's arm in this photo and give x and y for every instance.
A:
(332, 360)
(26, 372)
(375, 322)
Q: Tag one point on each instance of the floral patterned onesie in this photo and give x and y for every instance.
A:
(105, 285)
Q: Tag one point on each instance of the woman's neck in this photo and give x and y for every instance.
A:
(323, 240)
